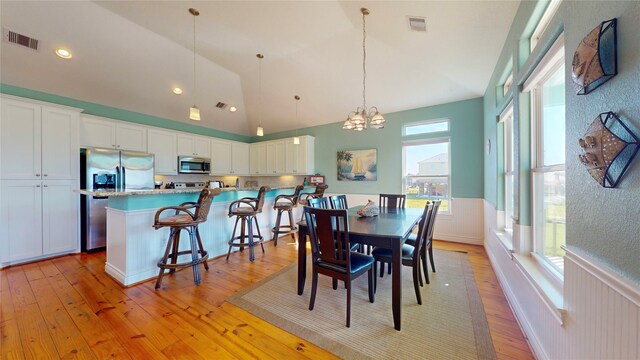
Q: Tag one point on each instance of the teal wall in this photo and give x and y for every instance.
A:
(466, 148)
(600, 222)
(119, 114)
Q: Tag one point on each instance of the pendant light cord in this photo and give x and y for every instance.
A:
(297, 98)
(364, 60)
(260, 90)
(194, 56)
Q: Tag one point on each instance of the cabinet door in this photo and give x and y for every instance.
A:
(60, 147)
(257, 159)
(20, 219)
(186, 145)
(163, 145)
(98, 133)
(291, 156)
(306, 156)
(59, 216)
(276, 158)
(131, 137)
(239, 158)
(202, 147)
(20, 140)
(221, 162)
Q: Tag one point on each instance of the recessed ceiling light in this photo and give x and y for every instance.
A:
(233, 109)
(177, 90)
(64, 53)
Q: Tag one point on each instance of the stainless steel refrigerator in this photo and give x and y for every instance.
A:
(106, 169)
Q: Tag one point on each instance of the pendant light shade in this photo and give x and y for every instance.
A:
(194, 113)
(260, 131)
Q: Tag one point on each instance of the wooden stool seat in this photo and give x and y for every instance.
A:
(245, 211)
(184, 219)
(286, 203)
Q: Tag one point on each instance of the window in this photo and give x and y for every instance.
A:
(547, 86)
(509, 155)
(507, 85)
(551, 9)
(426, 127)
(426, 172)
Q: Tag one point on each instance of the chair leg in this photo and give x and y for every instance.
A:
(425, 268)
(375, 276)
(416, 285)
(389, 271)
(194, 256)
(255, 218)
(276, 229)
(314, 289)
(206, 265)
(243, 232)
(433, 266)
(165, 258)
(372, 293)
(348, 303)
(334, 283)
(174, 249)
(233, 234)
(419, 272)
(381, 269)
(250, 229)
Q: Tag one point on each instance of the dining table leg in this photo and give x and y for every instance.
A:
(302, 257)
(396, 283)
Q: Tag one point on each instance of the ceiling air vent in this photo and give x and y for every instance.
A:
(417, 23)
(221, 105)
(19, 39)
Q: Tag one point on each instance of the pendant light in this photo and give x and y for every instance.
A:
(296, 139)
(260, 131)
(194, 112)
(363, 117)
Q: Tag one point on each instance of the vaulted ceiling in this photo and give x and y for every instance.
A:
(130, 54)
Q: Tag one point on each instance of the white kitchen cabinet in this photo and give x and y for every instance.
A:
(37, 218)
(257, 159)
(239, 158)
(38, 141)
(222, 159)
(189, 145)
(108, 134)
(162, 144)
(276, 162)
(300, 158)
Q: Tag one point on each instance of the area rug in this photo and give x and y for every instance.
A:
(450, 324)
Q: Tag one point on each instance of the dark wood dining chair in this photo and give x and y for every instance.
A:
(392, 201)
(322, 203)
(410, 254)
(339, 202)
(329, 234)
(428, 248)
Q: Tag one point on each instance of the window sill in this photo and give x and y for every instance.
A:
(547, 289)
(505, 238)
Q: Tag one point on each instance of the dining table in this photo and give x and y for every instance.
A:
(390, 229)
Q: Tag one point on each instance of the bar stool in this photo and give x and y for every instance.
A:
(318, 193)
(247, 216)
(286, 203)
(183, 219)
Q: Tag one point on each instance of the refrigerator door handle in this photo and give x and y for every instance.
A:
(124, 179)
(118, 179)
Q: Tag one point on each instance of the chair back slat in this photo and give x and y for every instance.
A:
(320, 203)
(436, 205)
(261, 194)
(339, 202)
(392, 201)
(329, 233)
(204, 203)
(423, 230)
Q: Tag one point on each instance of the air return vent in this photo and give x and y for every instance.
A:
(19, 39)
(417, 23)
(221, 105)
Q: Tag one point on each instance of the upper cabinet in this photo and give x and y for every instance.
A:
(276, 157)
(162, 144)
(258, 159)
(300, 157)
(191, 145)
(229, 157)
(109, 134)
(283, 157)
(239, 158)
(38, 142)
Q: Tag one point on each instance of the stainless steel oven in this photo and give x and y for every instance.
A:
(193, 165)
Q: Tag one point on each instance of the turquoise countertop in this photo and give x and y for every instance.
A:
(157, 200)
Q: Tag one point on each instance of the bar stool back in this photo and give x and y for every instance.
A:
(286, 203)
(318, 193)
(184, 219)
(246, 215)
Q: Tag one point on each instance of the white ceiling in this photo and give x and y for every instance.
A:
(129, 55)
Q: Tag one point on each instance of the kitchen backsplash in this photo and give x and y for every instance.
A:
(245, 181)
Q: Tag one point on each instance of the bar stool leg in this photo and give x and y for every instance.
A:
(276, 229)
(243, 232)
(250, 226)
(174, 250)
(292, 224)
(233, 235)
(194, 255)
(165, 258)
(255, 218)
(202, 252)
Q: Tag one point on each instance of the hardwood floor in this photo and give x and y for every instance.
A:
(69, 308)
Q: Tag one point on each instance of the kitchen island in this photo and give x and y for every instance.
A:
(134, 246)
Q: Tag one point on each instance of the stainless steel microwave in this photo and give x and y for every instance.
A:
(193, 165)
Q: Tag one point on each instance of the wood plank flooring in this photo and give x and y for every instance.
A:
(69, 308)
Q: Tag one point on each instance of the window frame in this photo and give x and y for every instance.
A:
(542, 25)
(429, 141)
(509, 164)
(552, 61)
(426, 122)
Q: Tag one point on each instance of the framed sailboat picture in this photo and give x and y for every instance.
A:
(358, 165)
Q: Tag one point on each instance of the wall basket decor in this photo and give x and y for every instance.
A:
(608, 148)
(595, 60)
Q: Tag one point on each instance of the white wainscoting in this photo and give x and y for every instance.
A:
(602, 315)
(463, 224)
(134, 246)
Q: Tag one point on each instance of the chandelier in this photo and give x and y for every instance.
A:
(194, 112)
(363, 117)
